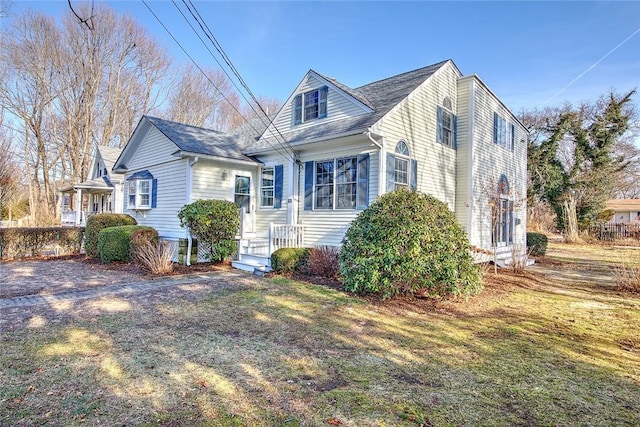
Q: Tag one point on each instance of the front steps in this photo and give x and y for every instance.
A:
(252, 256)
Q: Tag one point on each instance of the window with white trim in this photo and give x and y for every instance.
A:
(502, 215)
(267, 187)
(341, 183)
(504, 134)
(446, 124)
(401, 169)
(310, 105)
(139, 194)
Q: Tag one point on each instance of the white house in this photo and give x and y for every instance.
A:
(101, 193)
(330, 151)
(624, 210)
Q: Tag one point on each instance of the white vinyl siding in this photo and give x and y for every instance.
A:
(155, 149)
(414, 121)
(171, 181)
(489, 162)
(464, 198)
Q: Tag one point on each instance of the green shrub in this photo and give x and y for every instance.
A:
(215, 224)
(114, 243)
(288, 260)
(21, 242)
(537, 244)
(407, 242)
(97, 222)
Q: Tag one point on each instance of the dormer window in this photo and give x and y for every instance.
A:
(310, 105)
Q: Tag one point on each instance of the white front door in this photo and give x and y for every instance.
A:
(242, 197)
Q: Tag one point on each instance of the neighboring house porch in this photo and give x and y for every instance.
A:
(101, 193)
(625, 211)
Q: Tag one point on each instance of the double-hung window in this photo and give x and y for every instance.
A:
(140, 194)
(446, 124)
(401, 166)
(141, 190)
(267, 187)
(503, 134)
(341, 183)
(310, 105)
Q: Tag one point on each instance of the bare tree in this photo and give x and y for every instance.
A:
(73, 87)
(199, 99)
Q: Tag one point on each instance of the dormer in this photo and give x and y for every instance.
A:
(310, 105)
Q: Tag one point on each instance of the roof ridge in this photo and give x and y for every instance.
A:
(187, 125)
(365, 100)
(437, 65)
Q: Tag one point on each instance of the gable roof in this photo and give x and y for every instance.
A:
(197, 140)
(381, 96)
(189, 140)
(623, 204)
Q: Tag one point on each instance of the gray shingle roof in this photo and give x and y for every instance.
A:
(381, 96)
(197, 140)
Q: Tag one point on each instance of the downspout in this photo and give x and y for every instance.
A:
(381, 163)
(189, 182)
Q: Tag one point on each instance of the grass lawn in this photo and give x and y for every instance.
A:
(530, 350)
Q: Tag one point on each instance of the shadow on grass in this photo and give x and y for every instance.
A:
(279, 352)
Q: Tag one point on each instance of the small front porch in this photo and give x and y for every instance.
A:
(81, 201)
(254, 251)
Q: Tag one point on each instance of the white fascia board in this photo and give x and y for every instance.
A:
(307, 141)
(187, 154)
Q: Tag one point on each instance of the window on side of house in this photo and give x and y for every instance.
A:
(499, 130)
(346, 183)
(446, 124)
(324, 178)
(502, 215)
(267, 187)
(401, 166)
(310, 105)
(139, 194)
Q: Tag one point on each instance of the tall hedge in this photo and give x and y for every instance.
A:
(97, 222)
(215, 224)
(407, 242)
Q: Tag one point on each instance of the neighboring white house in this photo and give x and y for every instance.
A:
(624, 210)
(330, 151)
(101, 193)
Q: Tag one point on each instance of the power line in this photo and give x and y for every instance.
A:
(207, 31)
(205, 74)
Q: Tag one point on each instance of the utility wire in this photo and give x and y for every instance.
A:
(205, 74)
(285, 145)
(209, 34)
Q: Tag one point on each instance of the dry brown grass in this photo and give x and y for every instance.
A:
(154, 257)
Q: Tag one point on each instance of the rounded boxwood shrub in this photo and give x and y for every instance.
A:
(215, 224)
(288, 260)
(97, 222)
(537, 243)
(114, 243)
(407, 242)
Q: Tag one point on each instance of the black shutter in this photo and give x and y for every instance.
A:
(308, 186)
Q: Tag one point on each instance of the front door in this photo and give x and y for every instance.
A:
(242, 198)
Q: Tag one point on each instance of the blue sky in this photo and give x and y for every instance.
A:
(527, 52)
